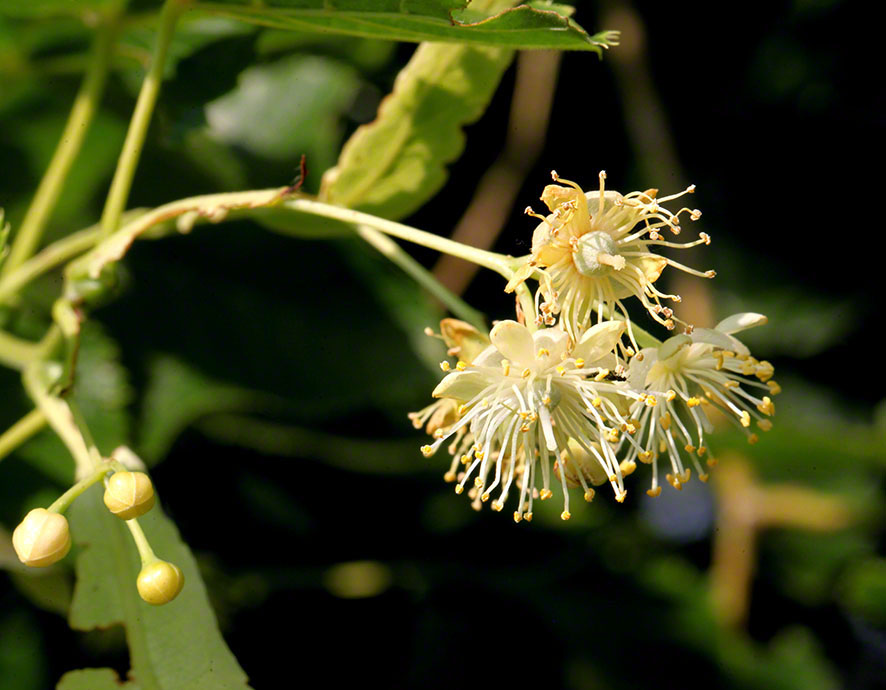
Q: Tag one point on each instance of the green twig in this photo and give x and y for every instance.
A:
(422, 276)
(21, 431)
(141, 119)
(17, 353)
(85, 105)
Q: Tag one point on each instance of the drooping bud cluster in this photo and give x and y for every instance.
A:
(564, 398)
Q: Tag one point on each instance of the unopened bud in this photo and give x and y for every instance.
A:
(160, 582)
(129, 494)
(42, 538)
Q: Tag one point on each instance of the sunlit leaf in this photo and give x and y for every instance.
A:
(394, 164)
(94, 679)
(527, 26)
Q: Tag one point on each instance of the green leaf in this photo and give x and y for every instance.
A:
(394, 164)
(863, 590)
(173, 647)
(177, 396)
(527, 26)
(300, 102)
(93, 679)
(22, 659)
(47, 8)
(4, 237)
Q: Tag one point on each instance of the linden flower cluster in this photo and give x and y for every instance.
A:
(563, 398)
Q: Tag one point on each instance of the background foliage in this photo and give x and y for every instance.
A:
(265, 377)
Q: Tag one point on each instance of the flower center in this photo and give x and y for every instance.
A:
(548, 398)
(596, 253)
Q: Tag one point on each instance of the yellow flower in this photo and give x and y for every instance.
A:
(595, 249)
(686, 374)
(530, 400)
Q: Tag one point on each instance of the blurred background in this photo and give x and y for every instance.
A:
(266, 379)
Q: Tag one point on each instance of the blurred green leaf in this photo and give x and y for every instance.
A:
(527, 26)
(94, 679)
(47, 8)
(393, 165)
(366, 54)
(299, 101)
(862, 590)
(173, 647)
(176, 396)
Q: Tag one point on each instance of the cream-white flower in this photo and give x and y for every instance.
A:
(684, 375)
(595, 249)
(523, 400)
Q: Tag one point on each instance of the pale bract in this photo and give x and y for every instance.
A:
(530, 400)
(686, 378)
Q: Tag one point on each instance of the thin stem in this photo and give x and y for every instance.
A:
(141, 542)
(496, 262)
(141, 119)
(59, 416)
(15, 352)
(61, 504)
(422, 276)
(21, 431)
(527, 304)
(85, 105)
(52, 256)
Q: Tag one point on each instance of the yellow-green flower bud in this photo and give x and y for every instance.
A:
(129, 494)
(160, 582)
(42, 538)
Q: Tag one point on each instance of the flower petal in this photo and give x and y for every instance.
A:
(719, 339)
(554, 340)
(599, 341)
(673, 345)
(515, 342)
(740, 322)
(461, 385)
(639, 368)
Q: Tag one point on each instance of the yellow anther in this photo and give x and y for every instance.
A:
(560, 369)
(766, 407)
(461, 366)
(765, 370)
(525, 428)
(543, 352)
(462, 409)
(449, 476)
(689, 448)
(630, 428)
(627, 467)
(517, 517)
(613, 478)
(459, 488)
(528, 517)
(565, 515)
(497, 506)
(753, 438)
(712, 462)
(651, 401)
(601, 375)
(427, 451)
(731, 384)
(646, 456)
(439, 433)
(444, 365)
(703, 477)
(693, 402)
(526, 373)
(597, 402)
(654, 492)
(686, 476)
(506, 367)
(484, 497)
(546, 400)
(478, 482)
(612, 436)
(545, 494)
(670, 395)
(745, 418)
(589, 495)
(620, 496)
(702, 450)
(579, 363)
(765, 424)
(719, 355)
(674, 481)
(665, 421)
(774, 388)
(465, 459)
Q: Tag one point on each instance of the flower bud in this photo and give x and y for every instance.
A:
(160, 582)
(42, 538)
(129, 494)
